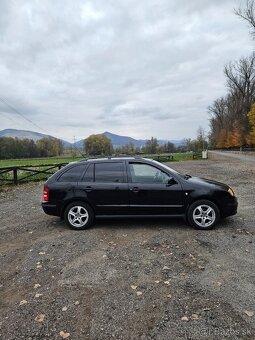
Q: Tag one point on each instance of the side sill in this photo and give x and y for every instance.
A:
(140, 216)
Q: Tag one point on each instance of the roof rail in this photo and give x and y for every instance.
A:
(123, 156)
(111, 157)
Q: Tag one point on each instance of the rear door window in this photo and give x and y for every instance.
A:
(109, 172)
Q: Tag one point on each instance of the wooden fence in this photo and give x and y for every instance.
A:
(164, 158)
(25, 173)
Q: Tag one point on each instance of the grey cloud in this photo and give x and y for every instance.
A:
(139, 68)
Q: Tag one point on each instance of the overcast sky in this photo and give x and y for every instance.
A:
(139, 68)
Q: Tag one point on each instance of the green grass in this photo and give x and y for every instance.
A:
(57, 160)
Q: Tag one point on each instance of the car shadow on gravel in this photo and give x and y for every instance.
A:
(138, 223)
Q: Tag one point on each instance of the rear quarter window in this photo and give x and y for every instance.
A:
(73, 174)
(89, 174)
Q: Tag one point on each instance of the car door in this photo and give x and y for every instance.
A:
(108, 191)
(153, 191)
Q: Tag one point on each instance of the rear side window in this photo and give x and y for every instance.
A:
(73, 174)
(109, 172)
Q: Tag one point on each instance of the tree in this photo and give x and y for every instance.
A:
(223, 137)
(56, 147)
(151, 146)
(49, 147)
(168, 147)
(248, 14)
(43, 146)
(229, 113)
(127, 149)
(236, 134)
(230, 123)
(27, 148)
(201, 138)
(251, 117)
(98, 145)
(241, 80)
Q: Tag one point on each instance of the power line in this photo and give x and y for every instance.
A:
(5, 114)
(20, 114)
(30, 121)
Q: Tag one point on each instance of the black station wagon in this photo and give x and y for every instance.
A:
(134, 187)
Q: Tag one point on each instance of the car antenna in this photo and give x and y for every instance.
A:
(74, 141)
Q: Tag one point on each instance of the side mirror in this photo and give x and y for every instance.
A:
(171, 181)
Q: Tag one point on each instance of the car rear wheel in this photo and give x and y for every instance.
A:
(79, 215)
(203, 214)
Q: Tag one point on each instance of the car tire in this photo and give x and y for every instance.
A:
(78, 215)
(203, 214)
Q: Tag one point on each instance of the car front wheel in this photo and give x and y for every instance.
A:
(203, 214)
(78, 215)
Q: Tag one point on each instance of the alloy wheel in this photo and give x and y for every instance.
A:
(78, 216)
(204, 216)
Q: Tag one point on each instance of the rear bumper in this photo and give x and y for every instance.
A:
(50, 209)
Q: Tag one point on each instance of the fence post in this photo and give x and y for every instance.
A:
(15, 176)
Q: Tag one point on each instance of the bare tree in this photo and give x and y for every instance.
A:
(229, 122)
(248, 14)
(218, 110)
(241, 80)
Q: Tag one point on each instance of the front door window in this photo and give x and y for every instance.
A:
(144, 173)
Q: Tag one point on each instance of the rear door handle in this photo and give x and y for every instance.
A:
(134, 189)
(88, 189)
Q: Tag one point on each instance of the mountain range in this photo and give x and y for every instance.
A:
(117, 140)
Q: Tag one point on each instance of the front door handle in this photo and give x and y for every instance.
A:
(88, 189)
(134, 189)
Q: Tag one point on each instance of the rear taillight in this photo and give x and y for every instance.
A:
(45, 194)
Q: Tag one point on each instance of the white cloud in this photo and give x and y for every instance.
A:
(88, 12)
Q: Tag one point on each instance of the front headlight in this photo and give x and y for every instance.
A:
(231, 192)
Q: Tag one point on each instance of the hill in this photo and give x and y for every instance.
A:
(117, 140)
(22, 134)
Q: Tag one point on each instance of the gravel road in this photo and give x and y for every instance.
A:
(129, 279)
(242, 156)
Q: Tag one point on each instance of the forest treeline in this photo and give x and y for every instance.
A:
(94, 145)
(101, 145)
(27, 148)
(232, 117)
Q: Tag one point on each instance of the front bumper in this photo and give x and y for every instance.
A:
(230, 208)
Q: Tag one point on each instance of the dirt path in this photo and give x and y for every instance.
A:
(236, 155)
(137, 279)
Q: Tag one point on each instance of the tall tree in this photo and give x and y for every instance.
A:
(98, 145)
(230, 122)
(230, 112)
(151, 146)
(201, 138)
(251, 117)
